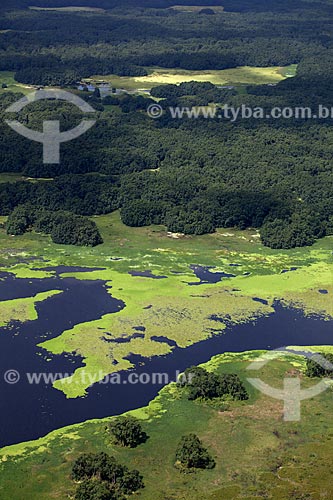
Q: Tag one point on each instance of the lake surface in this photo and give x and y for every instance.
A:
(31, 411)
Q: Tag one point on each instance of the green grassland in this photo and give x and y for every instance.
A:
(7, 77)
(10, 177)
(258, 454)
(158, 76)
(169, 307)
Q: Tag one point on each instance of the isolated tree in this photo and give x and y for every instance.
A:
(127, 431)
(192, 454)
(76, 230)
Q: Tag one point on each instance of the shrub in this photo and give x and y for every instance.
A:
(65, 228)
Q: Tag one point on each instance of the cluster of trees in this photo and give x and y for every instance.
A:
(102, 477)
(200, 383)
(65, 228)
(322, 369)
(191, 94)
(300, 230)
(192, 454)
(48, 77)
(81, 194)
(127, 431)
(128, 103)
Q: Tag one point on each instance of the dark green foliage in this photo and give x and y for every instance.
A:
(103, 478)
(20, 220)
(125, 42)
(76, 230)
(191, 454)
(140, 213)
(47, 77)
(127, 431)
(299, 231)
(187, 221)
(93, 489)
(207, 173)
(329, 226)
(84, 467)
(314, 369)
(65, 228)
(200, 383)
(204, 92)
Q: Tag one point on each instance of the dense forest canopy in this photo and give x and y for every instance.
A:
(40, 45)
(191, 175)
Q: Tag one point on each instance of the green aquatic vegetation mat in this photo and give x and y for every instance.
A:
(170, 308)
(22, 309)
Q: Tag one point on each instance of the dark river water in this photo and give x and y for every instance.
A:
(29, 411)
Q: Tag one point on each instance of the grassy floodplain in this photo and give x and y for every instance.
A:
(258, 455)
(235, 76)
(169, 307)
